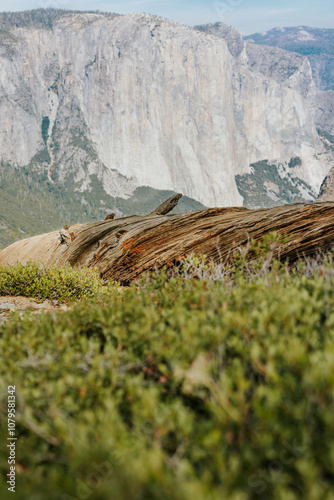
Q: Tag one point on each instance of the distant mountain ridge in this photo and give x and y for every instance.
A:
(262, 53)
(314, 43)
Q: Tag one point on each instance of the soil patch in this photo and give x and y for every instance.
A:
(9, 304)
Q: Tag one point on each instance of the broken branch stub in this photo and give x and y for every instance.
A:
(168, 205)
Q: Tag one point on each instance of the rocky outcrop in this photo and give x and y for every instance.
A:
(316, 46)
(265, 54)
(327, 188)
(286, 68)
(233, 38)
(140, 101)
(315, 43)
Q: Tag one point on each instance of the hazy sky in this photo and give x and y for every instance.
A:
(248, 16)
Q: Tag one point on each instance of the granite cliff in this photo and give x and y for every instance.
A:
(107, 104)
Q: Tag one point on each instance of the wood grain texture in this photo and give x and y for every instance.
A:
(168, 205)
(122, 249)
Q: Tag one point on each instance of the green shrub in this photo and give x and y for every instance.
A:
(61, 284)
(178, 389)
(45, 129)
(295, 162)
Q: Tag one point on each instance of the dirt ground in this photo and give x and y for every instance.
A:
(9, 304)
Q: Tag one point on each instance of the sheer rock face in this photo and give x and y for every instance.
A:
(141, 101)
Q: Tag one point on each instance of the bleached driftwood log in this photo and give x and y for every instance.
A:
(124, 248)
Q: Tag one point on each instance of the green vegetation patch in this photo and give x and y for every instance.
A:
(178, 389)
(61, 284)
(40, 158)
(45, 128)
(329, 138)
(295, 162)
(31, 204)
(41, 18)
(264, 187)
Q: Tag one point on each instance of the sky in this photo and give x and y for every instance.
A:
(248, 16)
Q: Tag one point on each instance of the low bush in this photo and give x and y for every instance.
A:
(178, 389)
(61, 284)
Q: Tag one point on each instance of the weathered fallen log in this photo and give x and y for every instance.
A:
(124, 248)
